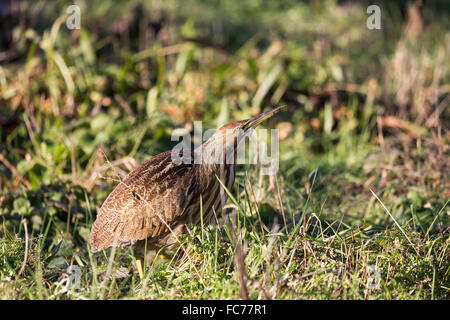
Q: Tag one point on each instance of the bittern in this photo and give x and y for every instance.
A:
(156, 201)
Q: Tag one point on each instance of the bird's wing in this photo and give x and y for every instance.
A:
(147, 203)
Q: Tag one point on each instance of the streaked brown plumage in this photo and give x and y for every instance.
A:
(159, 198)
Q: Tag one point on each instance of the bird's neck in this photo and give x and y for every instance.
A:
(216, 152)
(214, 158)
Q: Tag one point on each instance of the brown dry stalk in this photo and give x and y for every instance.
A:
(14, 171)
(394, 122)
(240, 263)
(124, 105)
(256, 206)
(24, 263)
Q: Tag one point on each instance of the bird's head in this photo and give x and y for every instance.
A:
(249, 124)
(230, 135)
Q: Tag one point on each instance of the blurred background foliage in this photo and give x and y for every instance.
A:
(136, 70)
(366, 108)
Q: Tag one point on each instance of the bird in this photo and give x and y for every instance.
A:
(157, 200)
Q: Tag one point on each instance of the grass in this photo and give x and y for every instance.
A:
(359, 208)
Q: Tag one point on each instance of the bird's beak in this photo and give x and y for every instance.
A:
(255, 121)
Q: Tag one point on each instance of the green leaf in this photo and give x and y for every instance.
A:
(58, 262)
(22, 206)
